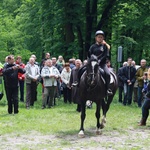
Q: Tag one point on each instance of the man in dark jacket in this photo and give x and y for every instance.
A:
(10, 73)
(128, 75)
(75, 89)
(120, 81)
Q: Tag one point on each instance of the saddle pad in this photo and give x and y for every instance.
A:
(111, 79)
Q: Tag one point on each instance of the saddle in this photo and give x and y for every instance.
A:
(103, 76)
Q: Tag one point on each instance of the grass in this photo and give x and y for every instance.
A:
(57, 128)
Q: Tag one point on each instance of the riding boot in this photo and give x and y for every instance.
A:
(148, 94)
(109, 91)
(142, 122)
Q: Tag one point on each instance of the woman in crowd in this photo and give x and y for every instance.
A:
(65, 77)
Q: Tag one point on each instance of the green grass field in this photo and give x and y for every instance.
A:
(57, 128)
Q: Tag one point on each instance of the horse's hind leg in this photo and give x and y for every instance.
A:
(83, 115)
(97, 114)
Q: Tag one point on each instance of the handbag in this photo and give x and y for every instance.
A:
(1, 93)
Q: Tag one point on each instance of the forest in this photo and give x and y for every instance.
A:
(67, 28)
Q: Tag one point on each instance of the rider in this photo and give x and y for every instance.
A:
(101, 49)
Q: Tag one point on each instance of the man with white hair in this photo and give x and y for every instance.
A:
(74, 79)
(50, 75)
(31, 77)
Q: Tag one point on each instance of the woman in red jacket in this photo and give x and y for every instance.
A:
(21, 78)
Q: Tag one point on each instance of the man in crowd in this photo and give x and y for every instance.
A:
(10, 73)
(140, 79)
(31, 77)
(50, 75)
(47, 56)
(60, 68)
(120, 82)
(128, 75)
(74, 79)
(135, 88)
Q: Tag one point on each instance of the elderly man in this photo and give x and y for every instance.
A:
(74, 79)
(50, 75)
(31, 77)
(140, 79)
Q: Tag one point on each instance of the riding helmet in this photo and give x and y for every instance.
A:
(99, 32)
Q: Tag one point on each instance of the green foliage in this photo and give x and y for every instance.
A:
(67, 27)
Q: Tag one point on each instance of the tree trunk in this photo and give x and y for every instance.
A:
(105, 14)
(91, 15)
(80, 40)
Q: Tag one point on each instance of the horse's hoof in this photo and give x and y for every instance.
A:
(104, 120)
(102, 126)
(81, 134)
(98, 131)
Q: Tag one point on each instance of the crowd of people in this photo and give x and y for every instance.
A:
(56, 76)
(133, 83)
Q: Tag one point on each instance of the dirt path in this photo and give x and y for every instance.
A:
(136, 139)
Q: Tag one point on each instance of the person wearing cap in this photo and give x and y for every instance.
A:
(101, 49)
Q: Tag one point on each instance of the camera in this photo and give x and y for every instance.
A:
(145, 73)
(17, 66)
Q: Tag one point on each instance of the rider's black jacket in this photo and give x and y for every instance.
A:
(100, 50)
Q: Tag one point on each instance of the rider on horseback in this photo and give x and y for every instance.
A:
(100, 49)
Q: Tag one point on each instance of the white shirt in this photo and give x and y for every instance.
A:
(33, 71)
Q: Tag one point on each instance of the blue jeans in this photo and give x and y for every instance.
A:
(140, 94)
(145, 109)
(128, 90)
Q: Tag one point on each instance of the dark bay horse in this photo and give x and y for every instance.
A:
(92, 87)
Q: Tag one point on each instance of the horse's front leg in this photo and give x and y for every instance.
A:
(97, 114)
(83, 115)
(104, 113)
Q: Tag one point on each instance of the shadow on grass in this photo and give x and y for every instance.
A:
(73, 134)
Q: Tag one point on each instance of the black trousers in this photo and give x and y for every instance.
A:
(67, 94)
(30, 93)
(120, 90)
(21, 86)
(145, 109)
(12, 97)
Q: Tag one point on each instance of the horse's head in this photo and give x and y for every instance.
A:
(92, 70)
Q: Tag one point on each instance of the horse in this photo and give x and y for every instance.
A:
(92, 87)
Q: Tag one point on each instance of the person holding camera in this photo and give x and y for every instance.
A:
(146, 103)
(140, 79)
(10, 73)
